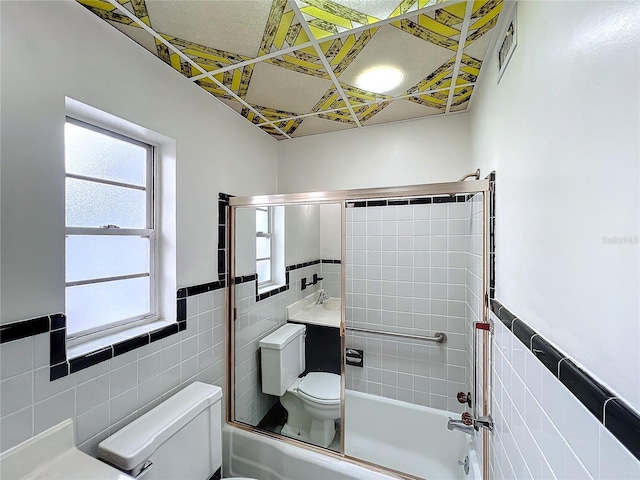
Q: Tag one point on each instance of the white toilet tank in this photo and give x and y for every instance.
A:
(282, 356)
(179, 439)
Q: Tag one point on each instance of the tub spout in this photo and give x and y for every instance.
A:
(459, 425)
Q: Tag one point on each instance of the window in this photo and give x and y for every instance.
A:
(264, 244)
(270, 235)
(110, 236)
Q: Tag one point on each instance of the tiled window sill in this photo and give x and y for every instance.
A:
(96, 344)
(269, 288)
(101, 349)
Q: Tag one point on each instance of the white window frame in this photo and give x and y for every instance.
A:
(148, 232)
(269, 235)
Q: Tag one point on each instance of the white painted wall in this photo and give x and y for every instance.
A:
(331, 231)
(245, 241)
(561, 130)
(428, 150)
(302, 233)
(301, 236)
(55, 49)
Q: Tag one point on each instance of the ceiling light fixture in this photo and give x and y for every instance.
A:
(380, 79)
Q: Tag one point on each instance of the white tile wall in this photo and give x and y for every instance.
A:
(331, 275)
(256, 320)
(105, 397)
(541, 430)
(407, 273)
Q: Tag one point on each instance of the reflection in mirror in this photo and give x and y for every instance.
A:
(287, 360)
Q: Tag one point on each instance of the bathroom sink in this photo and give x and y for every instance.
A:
(306, 311)
(331, 305)
(52, 455)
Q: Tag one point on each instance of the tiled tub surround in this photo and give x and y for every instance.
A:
(254, 320)
(406, 273)
(104, 397)
(552, 420)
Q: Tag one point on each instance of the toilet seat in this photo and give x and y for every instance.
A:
(321, 387)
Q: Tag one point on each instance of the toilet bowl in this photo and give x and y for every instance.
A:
(312, 402)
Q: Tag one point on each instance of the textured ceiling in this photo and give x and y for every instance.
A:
(289, 66)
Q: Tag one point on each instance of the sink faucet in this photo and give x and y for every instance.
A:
(322, 297)
(460, 425)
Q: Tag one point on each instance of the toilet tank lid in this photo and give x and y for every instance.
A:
(134, 444)
(282, 336)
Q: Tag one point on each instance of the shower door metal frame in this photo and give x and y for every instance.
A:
(342, 196)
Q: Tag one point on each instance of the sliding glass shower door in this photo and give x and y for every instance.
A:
(389, 287)
(414, 288)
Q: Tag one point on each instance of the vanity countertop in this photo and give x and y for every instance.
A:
(306, 311)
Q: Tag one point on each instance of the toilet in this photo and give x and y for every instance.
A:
(312, 402)
(179, 439)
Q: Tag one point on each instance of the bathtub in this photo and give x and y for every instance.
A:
(408, 438)
(248, 454)
(398, 435)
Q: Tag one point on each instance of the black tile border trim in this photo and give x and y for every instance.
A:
(246, 278)
(617, 417)
(624, 424)
(285, 287)
(270, 293)
(25, 328)
(410, 201)
(329, 260)
(90, 359)
(301, 265)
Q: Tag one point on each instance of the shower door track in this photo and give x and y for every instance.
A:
(428, 190)
(437, 337)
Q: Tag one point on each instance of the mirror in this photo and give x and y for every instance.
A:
(288, 273)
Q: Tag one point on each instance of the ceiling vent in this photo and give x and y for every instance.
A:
(507, 44)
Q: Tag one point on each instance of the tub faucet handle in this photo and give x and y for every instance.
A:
(467, 418)
(464, 398)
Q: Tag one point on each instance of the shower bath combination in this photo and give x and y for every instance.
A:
(407, 268)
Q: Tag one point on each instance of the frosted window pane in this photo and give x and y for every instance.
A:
(98, 155)
(262, 221)
(91, 204)
(108, 256)
(90, 306)
(264, 270)
(263, 247)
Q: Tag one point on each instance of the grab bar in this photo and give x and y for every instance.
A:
(438, 337)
